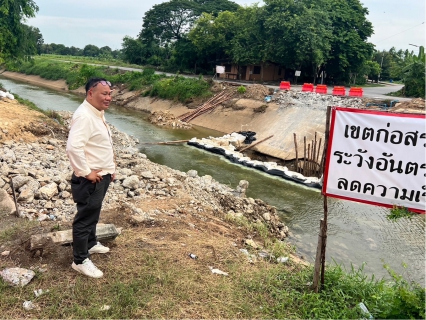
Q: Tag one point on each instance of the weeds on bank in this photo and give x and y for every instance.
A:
(49, 113)
(76, 75)
(399, 212)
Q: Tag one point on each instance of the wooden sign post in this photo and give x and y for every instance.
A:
(322, 236)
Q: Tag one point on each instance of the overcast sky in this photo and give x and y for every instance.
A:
(77, 23)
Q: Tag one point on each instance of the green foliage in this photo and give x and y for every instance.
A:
(414, 74)
(15, 39)
(399, 212)
(242, 89)
(340, 296)
(180, 88)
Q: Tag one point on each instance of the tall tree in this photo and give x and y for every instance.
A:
(170, 21)
(12, 31)
(349, 45)
(31, 40)
(299, 32)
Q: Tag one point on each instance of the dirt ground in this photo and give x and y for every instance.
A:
(213, 239)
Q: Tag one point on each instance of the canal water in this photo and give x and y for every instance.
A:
(358, 234)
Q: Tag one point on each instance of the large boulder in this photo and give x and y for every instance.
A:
(131, 182)
(7, 205)
(48, 191)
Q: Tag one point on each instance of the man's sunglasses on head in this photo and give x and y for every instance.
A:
(102, 82)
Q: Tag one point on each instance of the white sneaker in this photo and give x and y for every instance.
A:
(98, 248)
(88, 268)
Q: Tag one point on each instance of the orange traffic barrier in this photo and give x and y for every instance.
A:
(356, 92)
(285, 85)
(339, 91)
(308, 87)
(321, 88)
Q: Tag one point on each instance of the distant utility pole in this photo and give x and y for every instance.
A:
(381, 63)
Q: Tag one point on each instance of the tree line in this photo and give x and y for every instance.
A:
(89, 50)
(318, 37)
(308, 35)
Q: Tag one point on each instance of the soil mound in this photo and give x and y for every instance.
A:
(161, 118)
(256, 92)
(415, 106)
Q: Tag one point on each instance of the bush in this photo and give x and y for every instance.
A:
(241, 89)
(180, 88)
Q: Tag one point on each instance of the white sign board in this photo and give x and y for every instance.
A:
(297, 73)
(377, 158)
(220, 69)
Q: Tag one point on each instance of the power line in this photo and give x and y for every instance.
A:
(400, 32)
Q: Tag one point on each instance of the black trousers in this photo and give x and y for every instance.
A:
(88, 196)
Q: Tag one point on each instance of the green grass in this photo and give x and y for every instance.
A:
(162, 288)
(371, 85)
(100, 61)
(76, 75)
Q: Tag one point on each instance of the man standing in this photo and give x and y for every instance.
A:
(90, 151)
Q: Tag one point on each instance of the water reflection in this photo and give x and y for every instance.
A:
(357, 233)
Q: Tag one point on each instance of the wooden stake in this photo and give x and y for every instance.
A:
(297, 158)
(308, 172)
(252, 145)
(304, 156)
(317, 266)
(314, 156)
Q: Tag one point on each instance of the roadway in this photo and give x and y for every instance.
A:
(369, 92)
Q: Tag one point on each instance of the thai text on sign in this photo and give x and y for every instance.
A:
(377, 158)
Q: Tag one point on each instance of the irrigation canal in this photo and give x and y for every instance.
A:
(357, 233)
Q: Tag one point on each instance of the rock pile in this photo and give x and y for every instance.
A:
(314, 100)
(41, 175)
(161, 118)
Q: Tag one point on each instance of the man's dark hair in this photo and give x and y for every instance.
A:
(91, 82)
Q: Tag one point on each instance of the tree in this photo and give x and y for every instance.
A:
(31, 41)
(133, 50)
(299, 33)
(91, 51)
(168, 21)
(350, 31)
(212, 36)
(414, 74)
(12, 30)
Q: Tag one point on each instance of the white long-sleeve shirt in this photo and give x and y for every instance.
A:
(89, 145)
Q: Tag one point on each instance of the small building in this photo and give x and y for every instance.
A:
(271, 72)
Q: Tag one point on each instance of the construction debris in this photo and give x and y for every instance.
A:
(161, 118)
(256, 92)
(208, 106)
(103, 232)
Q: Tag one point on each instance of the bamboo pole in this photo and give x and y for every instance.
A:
(252, 145)
(297, 158)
